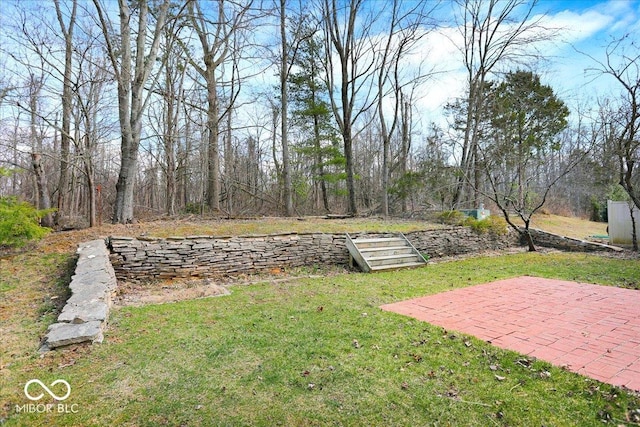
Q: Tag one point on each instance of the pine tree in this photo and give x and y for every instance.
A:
(312, 114)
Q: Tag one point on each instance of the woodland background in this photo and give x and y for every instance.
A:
(116, 111)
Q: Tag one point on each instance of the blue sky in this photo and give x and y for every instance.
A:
(585, 26)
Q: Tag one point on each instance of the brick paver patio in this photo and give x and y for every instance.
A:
(589, 329)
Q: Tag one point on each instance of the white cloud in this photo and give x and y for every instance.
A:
(565, 69)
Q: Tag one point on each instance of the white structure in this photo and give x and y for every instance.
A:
(620, 230)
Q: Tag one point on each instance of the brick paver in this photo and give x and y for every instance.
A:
(589, 329)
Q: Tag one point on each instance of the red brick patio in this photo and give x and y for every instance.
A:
(589, 329)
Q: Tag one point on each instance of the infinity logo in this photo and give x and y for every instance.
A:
(41, 384)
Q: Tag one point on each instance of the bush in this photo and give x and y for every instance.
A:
(452, 217)
(19, 222)
(492, 224)
(193, 208)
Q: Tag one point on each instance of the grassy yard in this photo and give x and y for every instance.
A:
(568, 226)
(304, 352)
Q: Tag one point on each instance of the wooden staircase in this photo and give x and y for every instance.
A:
(384, 253)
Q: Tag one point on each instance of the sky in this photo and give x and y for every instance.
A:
(585, 27)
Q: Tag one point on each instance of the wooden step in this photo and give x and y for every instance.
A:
(379, 242)
(398, 266)
(382, 253)
(394, 259)
(392, 250)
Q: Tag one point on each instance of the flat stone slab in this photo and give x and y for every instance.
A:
(589, 329)
(96, 310)
(93, 248)
(61, 334)
(89, 293)
(86, 311)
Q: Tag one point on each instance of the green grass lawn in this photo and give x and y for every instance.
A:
(317, 352)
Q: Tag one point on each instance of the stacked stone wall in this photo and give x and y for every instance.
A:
(195, 256)
(549, 240)
(85, 313)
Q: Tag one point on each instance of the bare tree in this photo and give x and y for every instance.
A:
(285, 68)
(216, 36)
(622, 62)
(347, 29)
(35, 85)
(132, 69)
(67, 100)
(493, 32)
(407, 25)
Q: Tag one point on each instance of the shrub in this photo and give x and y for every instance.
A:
(193, 208)
(492, 224)
(452, 217)
(19, 222)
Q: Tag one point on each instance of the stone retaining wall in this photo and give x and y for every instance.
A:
(193, 256)
(549, 240)
(199, 256)
(86, 312)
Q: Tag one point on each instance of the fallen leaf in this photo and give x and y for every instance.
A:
(493, 367)
(66, 365)
(500, 378)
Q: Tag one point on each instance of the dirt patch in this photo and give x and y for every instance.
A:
(137, 294)
(174, 290)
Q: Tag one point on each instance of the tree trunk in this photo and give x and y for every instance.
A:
(634, 232)
(67, 100)
(44, 202)
(351, 187)
(229, 165)
(213, 158)
(169, 139)
(284, 121)
(319, 166)
(405, 144)
(131, 85)
(123, 209)
(92, 190)
(529, 239)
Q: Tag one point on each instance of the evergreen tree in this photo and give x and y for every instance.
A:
(312, 115)
(526, 117)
